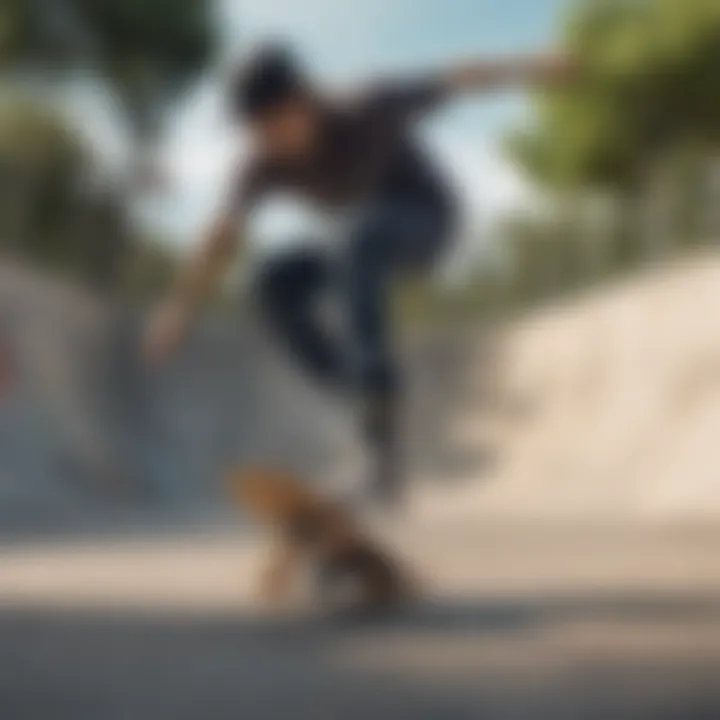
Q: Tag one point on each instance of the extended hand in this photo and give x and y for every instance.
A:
(166, 331)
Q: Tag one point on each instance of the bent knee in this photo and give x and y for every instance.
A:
(285, 285)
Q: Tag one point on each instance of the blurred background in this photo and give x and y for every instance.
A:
(564, 398)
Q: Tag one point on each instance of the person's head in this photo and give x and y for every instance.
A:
(273, 97)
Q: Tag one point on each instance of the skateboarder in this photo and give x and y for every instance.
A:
(357, 159)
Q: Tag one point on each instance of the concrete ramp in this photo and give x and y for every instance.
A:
(606, 405)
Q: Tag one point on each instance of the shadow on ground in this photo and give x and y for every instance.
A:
(511, 658)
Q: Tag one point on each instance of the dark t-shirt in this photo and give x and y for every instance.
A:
(366, 151)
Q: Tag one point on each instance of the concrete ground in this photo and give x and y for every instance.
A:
(518, 622)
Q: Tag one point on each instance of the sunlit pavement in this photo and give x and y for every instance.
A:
(518, 621)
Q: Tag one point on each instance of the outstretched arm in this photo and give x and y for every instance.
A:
(197, 281)
(520, 71)
(171, 322)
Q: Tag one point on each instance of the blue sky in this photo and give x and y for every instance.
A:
(348, 40)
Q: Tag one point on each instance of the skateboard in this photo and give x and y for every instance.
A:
(350, 570)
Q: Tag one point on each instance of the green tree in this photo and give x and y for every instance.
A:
(649, 84)
(644, 117)
(148, 52)
(42, 162)
(54, 215)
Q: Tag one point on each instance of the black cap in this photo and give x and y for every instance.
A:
(271, 75)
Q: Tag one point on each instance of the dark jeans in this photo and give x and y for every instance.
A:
(390, 238)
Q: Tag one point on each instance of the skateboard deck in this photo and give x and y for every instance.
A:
(350, 570)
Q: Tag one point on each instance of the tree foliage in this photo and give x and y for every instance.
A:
(54, 215)
(147, 51)
(650, 73)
